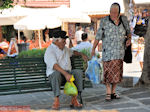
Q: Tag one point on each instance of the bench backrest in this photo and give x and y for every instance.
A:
(27, 74)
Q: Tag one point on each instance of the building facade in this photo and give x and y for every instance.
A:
(42, 3)
(39, 4)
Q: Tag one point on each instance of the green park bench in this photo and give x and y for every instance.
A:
(26, 75)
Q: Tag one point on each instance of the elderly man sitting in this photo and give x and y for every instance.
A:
(57, 59)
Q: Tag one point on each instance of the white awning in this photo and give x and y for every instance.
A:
(95, 7)
(141, 1)
(71, 15)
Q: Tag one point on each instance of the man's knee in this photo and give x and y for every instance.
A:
(56, 75)
(78, 74)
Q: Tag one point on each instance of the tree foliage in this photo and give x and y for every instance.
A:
(5, 4)
(7, 32)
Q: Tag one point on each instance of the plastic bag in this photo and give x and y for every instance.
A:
(93, 71)
(70, 88)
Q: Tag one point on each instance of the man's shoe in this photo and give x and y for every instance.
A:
(75, 104)
(56, 105)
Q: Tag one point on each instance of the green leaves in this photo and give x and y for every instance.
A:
(34, 53)
(5, 4)
(87, 52)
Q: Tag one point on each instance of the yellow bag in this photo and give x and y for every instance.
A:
(70, 88)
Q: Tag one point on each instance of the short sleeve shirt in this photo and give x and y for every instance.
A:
(113, 39)
(83, 45)
(54, 55)
(78, 35)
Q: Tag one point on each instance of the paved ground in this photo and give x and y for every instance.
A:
(132, 99)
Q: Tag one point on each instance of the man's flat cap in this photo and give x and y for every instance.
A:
(60, 34)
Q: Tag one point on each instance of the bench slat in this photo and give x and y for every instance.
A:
(29, 75)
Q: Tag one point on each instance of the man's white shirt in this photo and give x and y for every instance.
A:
(54, 55)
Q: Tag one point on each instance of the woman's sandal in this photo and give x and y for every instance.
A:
(75, 104)
(115, 96)
(108, 97)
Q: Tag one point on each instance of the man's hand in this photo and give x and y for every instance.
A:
(84, 57)
(68, 77)
(63, 72)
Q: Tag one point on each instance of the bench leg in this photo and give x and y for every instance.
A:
(80, 97)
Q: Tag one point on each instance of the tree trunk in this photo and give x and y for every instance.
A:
(129, 9)
(145, 78)
(1, 3)
(126, 5)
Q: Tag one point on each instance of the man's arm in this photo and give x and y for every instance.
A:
(51, 62)
(76, 53)
(62, 71)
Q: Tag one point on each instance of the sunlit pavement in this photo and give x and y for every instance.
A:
(132, 70)
(132, 99)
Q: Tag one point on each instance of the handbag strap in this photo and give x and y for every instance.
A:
(123, 24)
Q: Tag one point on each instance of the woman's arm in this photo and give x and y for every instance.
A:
(94, 47)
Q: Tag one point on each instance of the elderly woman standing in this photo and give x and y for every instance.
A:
(112, 33)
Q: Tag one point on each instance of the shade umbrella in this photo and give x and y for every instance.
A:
(38, 22)
(67, 14)
(12, 15)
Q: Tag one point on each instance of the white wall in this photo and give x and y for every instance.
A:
(141, 1)
(95, 6)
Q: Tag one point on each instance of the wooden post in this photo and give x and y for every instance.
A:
(39, 39)
(1, 36)
(18, 36)
(65, 26)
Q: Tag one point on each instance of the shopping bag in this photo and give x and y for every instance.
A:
(70, 88)
(93, 71)
(128, 54)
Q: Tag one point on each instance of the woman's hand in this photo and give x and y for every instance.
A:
(94, 47)
(92, 54)
(128, 42)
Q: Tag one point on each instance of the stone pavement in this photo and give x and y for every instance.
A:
(132, 99)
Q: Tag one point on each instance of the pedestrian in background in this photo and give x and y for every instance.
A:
(78, 34)
(140, 52)
(112, 33)
(141, 24)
